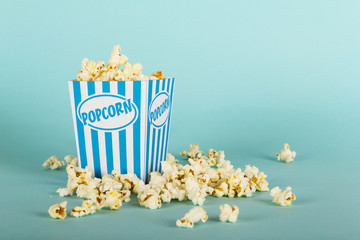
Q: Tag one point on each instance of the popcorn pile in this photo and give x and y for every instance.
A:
(286, 154)
(193, 181)
(99, 71)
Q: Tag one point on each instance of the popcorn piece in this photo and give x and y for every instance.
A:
(221, 190)
(112, 200)
(53, 162)
(124, 195)
(64, 192)
(194, 152)
(86, 208)
(170, 158)
(283, 198)
(194, 191)
(130, 182)
(286, 154)
(158, 75)
(228, 213)
(115, 59)
(195, 215)
(58, 210)
(72, 160)
(149, 198)
(136, 68)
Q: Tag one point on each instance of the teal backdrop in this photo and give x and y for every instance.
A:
(250, 76)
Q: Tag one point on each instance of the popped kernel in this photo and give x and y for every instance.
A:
(283, 198)
(158, 74)
(72, 160)
(228, 213)
(194, 215)
(53, 162)
(58, 210)
(87, 207)
(286, 154)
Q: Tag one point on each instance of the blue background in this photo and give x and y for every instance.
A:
(251, 75)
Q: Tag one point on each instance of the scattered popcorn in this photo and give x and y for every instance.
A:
(98, 71)
(283, 198)
(58, 210)
(86, 208)
(53, 162)
(195, 215)
(72, 160)
(228, 213)
(193, 181)
(286, 154)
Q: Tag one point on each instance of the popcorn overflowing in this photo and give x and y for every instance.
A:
(193, 181)
(53, 162)
(286, 154)
(99, 71)
(195, 215)
(283, 198)
(228, 213)
(58, 210)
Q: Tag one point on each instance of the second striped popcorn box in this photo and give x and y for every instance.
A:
(122, 125)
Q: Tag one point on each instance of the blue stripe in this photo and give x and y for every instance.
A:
(163, 133)
(122, 136)
(136, 128)
(171, 102)
(108, 137)
(95, 138)
(155, 131)
(79, 125)
(148, 130)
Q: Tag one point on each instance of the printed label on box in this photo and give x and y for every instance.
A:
(159, 109)
(107, 112)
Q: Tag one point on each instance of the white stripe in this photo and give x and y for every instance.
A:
(101, 137)
(72, 101)
(156, 133)
(168, 122)
(129, 132)
(151, 129)
(143, 120)
(115, 134)
(162, 82)
(87, 131)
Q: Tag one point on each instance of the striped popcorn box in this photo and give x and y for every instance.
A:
(122, 125)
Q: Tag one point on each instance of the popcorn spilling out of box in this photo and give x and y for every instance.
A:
(193, 181)
(100, 71)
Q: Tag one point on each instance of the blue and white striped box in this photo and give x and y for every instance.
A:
(122, 125)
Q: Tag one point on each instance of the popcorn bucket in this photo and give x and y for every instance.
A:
(122, 125)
